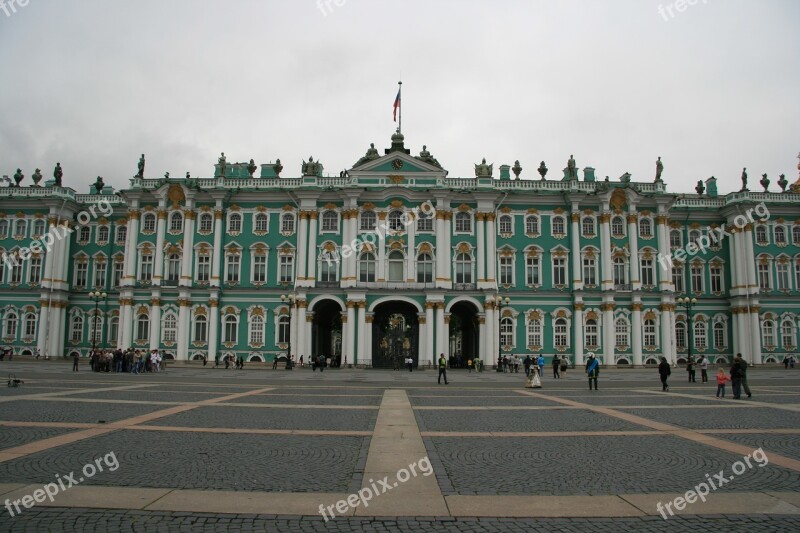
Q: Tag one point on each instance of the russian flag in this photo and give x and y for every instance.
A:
(396, 105)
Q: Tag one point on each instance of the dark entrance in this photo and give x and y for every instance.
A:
(464, 334)
(326, 330)
(395, 335)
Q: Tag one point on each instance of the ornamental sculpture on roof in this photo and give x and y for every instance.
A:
(426, 156)
(371, 155)
(483, 170)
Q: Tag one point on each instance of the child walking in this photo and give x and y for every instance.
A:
(721, 380)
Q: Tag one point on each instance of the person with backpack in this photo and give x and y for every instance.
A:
(592, 370)
(664, 371)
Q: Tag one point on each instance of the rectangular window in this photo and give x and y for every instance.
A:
(763, 276)
(589, 272)
(677, 278)
(119, 270)
(99, 275)
(783, 276)
(716, 279)
(559, 272)
(534, 334)
(233, 268)
(146, 272)
(532, 273)
(260, 269)
(506, 270)
(203, 268)
(81, 275)
(697, 278)
(648, 273)
(286, 274)
(36, 270)
(424, 222)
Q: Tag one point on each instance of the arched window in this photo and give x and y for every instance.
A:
(675, 238)
(330, 221)
(329, 265)
(645, 227)
(532, 225)
(560, 338)
(396, 220)
(149, 223)
(234, 223)
(780, 235)
(176, 222)
(287, 223)
(694, 236)
(102, 234)
(590, 334)
(39, 228)
(77, 328)
(700, 335)
(768, 334)
(622, 334)
(620, 272)
(558, 225)
(463, 268)
(95, 328)
(680, 335)
(618, 226)
(368, 221)
(122, 234)
(795, 234)
(505, 224)
(588, 226)
(200, 329)
(761, 234)
(21, 228)
(396, 266)
(366, 267)
(85, 234)
(463, 222)
(205, 223)
(30, 326)
(3, 229)
(231, 330)
(424, 268)
(719, 335)
(142, 328)
(788, 335)
(649, 329)
(113, 330)
(261, 223)
(169, 328)
(535, 334)
(283, 329)
(173, 267)
(257, 330)
(507, 333)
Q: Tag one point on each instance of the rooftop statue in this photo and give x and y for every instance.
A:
(311, 168)
(371, 155)
(426, 156)
(483, 170)
(166, 176)
(277, 167)
(37, 177)
(744, 180)
(58, 173)
(764, 182)
(99, 185)
(625, 178)
(783, 183)
(659, 168)
(223, 165)
(542, 170)
(19, 176)
(140, 174)
(700, 187)
(517, 169)
(572, 168)
(188, 175)
(251, 168)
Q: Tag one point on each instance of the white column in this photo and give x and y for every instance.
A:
(158, 273)
(351, 331)
(606, 278)
(441, 331)
(441, 250)
(491, 249)
(575, 236)
(126, 323)
(480, 224)
(380, 274)
(50, 258)
(750, 259)
(633, 242)
(429, 355)
(155, 323)
(608, 334)
(666, 334)
(360, 352)
(636, 332)
(43, 326)
(188, 247)
(302, 248)
(311, 267)
(130, 247)
(664, 277)
(411, 253)
(366, 358)
(184, 327)
(56, 346)
(213, 329)
(216, 259)
(577, 334)
(741, 328)
(490, 322)
(755, 338)
(302, 331)
(293, 320)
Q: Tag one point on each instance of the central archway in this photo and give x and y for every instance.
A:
(326, 330)
(464, 333)
(395, 334)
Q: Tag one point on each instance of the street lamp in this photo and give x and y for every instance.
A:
(502, 303)
(688, 303)
(96, 296)
(290, 300)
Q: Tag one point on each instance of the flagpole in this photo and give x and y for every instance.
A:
(400, 92)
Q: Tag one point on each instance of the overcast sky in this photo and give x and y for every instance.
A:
(95, 83)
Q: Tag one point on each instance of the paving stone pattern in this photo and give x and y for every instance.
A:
(540, 420)
(66, 411)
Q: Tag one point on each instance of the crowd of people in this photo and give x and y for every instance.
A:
(736, 375)
(127, 361)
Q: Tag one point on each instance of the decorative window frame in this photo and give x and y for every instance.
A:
(204, 215)
(259, 249)
(203, 249)
(654, 315)
(559, 252)
(145, 216)
(197, 312)
(229, 223)
(253, 312)
(534, 317)
(533, 215)
(592, 219)
(555, 315)
(508, 252)
(646, 220)
(596, 315)
(534, 252)
(287, 213)
(328, 213)
(171, 217)
(510, 218)
(625, 316)
(562, 217)
(261, 211)
(720, 319)
(232, 250)
(225, 313)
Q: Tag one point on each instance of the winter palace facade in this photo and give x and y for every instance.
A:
(395, 258)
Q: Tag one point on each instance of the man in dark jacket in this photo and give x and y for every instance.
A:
(664, 371)
(736, 377)
(743, 375)
(592, 370)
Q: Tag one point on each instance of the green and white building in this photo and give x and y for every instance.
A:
(397, 258)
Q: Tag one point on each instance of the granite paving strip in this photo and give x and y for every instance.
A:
(396, 444)
(541, 506)
(62, 393)
(237, 502)
(512, 434)
(69, 438)
(737, 403)
(250, 431)
(786, 462)
(716, 503)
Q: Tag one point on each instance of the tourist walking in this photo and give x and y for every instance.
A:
(690, 369)
(556, 366)
(722, 378)
(743, 374)
(564, 365)
(410, 364)
(703, 364)
(442, 369)
(736, 378)
(527, 364)
(664, 371)
(75, 358)
(541, 366)
(592, 370)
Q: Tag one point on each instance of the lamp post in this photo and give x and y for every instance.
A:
(502, 303)
(96, 296)
(289, 300)
(687, 303)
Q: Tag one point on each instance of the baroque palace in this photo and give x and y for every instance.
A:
(395, 258)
